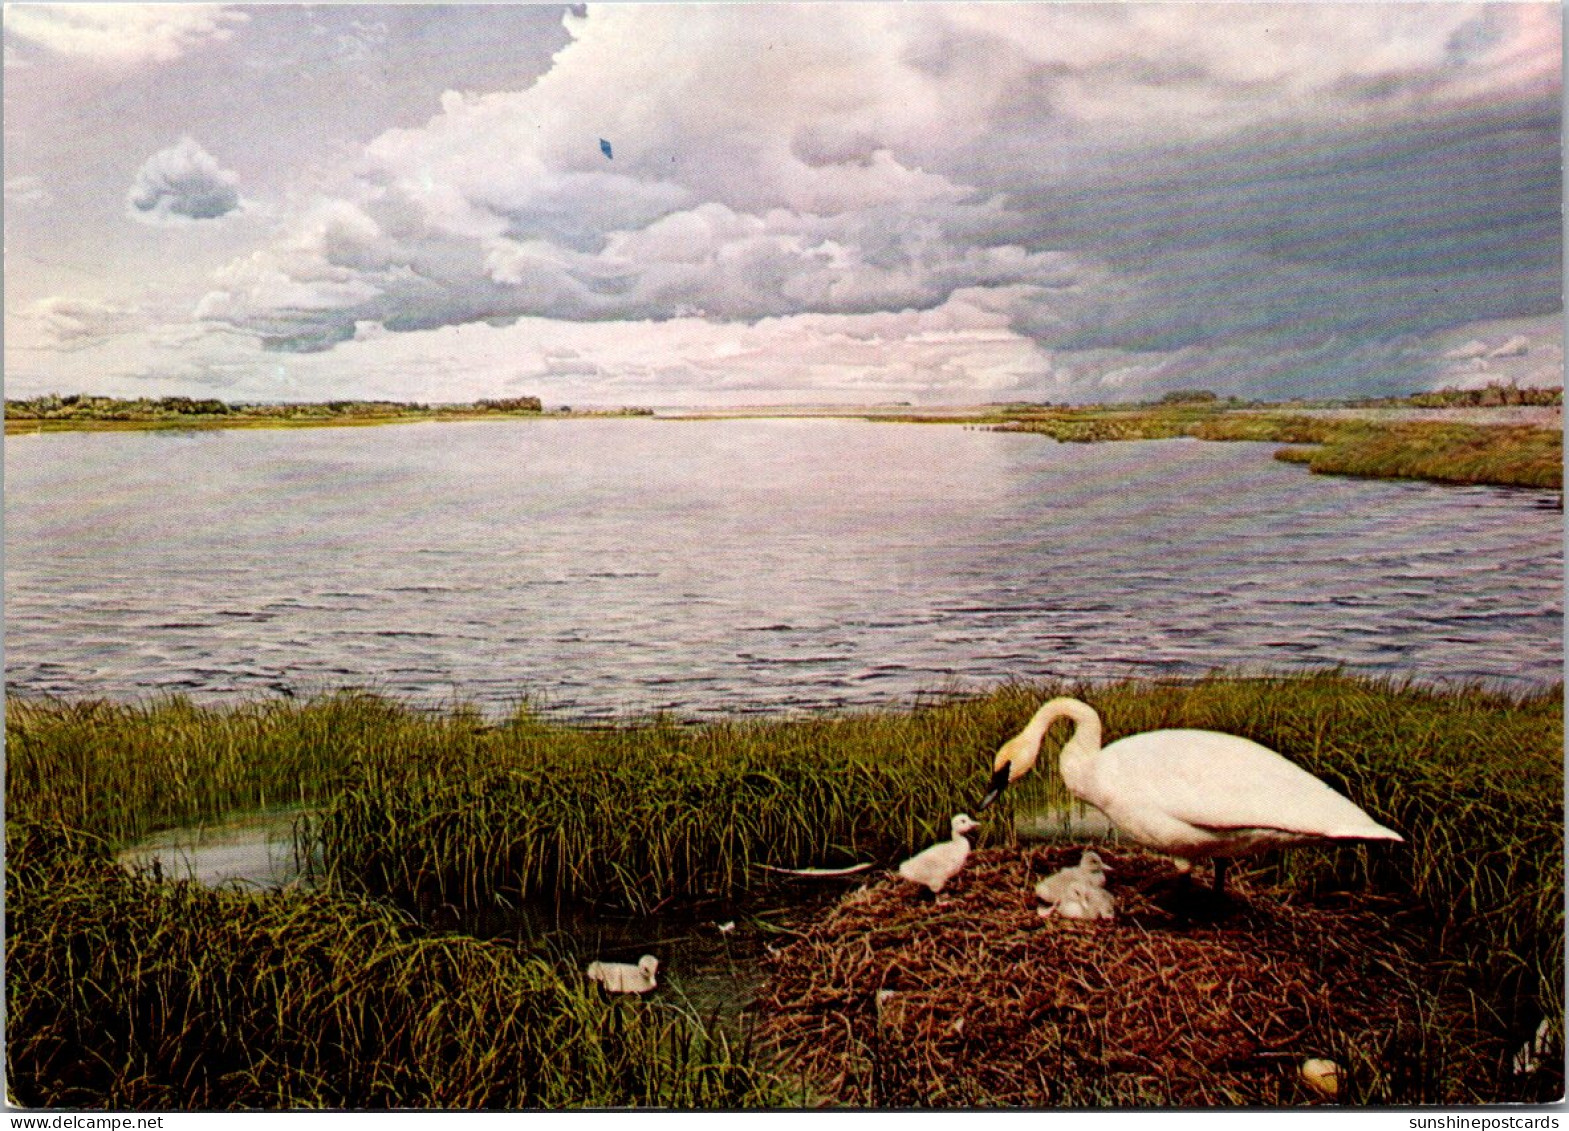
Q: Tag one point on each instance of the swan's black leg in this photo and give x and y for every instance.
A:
(1220, 876)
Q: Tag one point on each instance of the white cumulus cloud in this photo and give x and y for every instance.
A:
(1517, 346)
(121, 33)
(72, 323)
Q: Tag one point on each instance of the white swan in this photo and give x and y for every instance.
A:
(623, 977)
(941, 862)
(1090, 869)
(1191, 794)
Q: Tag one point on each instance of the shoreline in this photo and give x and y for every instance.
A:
(1504, 446)
(1532, 416)
(46, 427)
(590, 721)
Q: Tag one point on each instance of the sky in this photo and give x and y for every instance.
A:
(750, 203)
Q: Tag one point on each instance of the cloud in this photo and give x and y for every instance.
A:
(1525, 352)
(1469, 350)
(26, 190)
(120, 33)
(180, 183)
(1134, 194)
(1181, 71)
(74, 323)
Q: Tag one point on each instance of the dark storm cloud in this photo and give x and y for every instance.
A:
(1391, 232)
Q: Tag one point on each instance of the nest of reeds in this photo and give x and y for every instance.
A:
(977, 1001)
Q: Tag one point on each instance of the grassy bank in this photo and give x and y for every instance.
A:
(119, 771)
(1442, 453)
(454, 808)
(85, 413)
(110, 414)
(1432, 450)
(127, 995)
(635, 816)
(416, 808)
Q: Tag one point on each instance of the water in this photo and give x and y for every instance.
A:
(612, 566)
(605, 567)
(256, 852)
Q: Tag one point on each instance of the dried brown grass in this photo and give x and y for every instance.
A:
(993, 1006)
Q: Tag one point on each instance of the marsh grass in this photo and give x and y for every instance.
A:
(121, 770)
(1432, 450)
(635, 816)
(81, 412)
(1102, 424)
(126, 994)
(1444, 453)
(416, 809)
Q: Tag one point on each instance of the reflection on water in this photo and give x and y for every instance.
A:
(1077, 822)
(256, 851)
(604, 566)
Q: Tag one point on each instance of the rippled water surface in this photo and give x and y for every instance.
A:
(603, 566)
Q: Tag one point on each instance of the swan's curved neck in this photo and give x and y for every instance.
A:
(1086, 726)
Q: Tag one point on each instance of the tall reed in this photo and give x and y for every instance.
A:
(639, 814)
(120, 770)
(418, 809)
(125, 994)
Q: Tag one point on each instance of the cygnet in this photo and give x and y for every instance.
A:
(940, 863)
(623, 977)
(1091, 870)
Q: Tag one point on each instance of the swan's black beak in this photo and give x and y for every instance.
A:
(999, 783)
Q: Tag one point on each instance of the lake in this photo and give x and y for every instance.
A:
(600, 567)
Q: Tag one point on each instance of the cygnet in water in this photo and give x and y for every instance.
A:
(623, 977)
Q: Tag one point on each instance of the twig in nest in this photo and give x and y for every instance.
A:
(817, 873)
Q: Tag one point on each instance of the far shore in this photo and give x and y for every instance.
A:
(1531, 416)
(1498, 437)
(34, 427)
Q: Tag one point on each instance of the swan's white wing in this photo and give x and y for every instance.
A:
(1222, 781)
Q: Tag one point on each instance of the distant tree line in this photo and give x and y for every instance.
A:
(1189, 396)
(79, 406)
(1489, 396)
(82, 406)
(510, 404)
